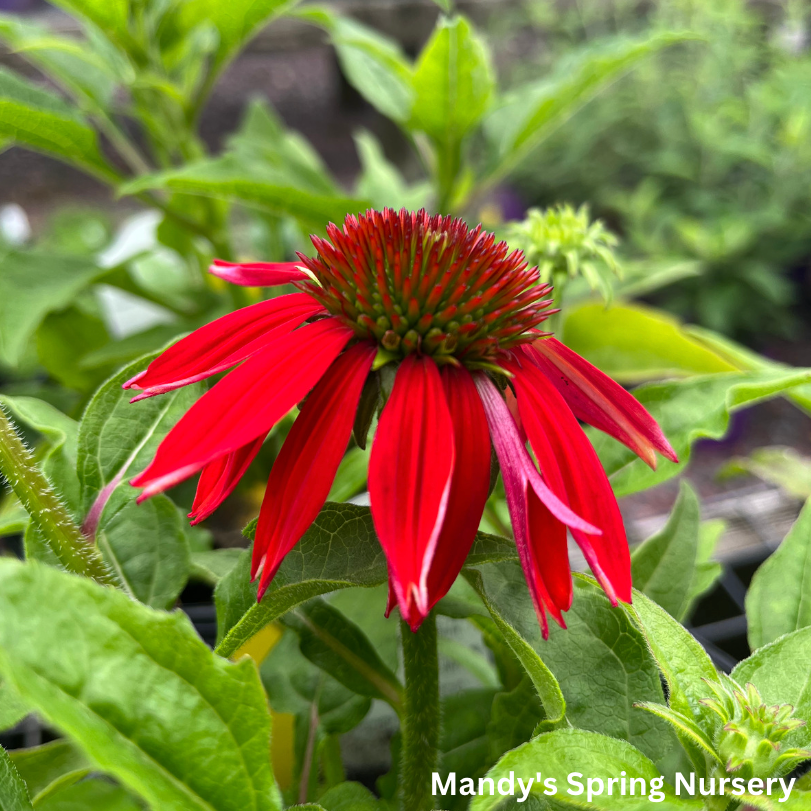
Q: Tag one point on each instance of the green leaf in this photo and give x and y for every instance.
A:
(38, 119)
(565, 752)
(707, 569)
(781, 671)
(13, 794)
(118, 439)
(785, 467)
(599, 640)
(351, 476)
(798, 801)
(514, 717)
(684, 664)
(497, 586)
(608, 337)
(90, 795)
(211, 565)
(663, 567)
(337, 646)
(68, 62)
(688, 410)
(529, 114)
(146, 545)
(31, 286)
(338, 551)
(779, 598)
(684, 726)
(137, 691)
(111, 16)
(375, 66)
(12, 707)
(471, 660)
(235, 22)
(349, 797)
(261, 185)
(453, 81)
(42, 766)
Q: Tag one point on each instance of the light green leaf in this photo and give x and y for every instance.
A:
(90, 795)
(211, 565)
(137, 691)
(684, 726)
(663, 567)
(779, 598)
(686, 411)
(531, 113)
(13, 794)
(707, 569)
(566, 752)
(781, 671)
(375, 66)
(798, 801)
(36, 118)
(349, 797)
(608, 337)
(68, 62)
(146, 545)
(235, 22)
(339, 647)
(12, 707)
(111, 16)
(42, 766)
(338, 551)
(785, 467)
(453, 81)
(229, 178)
(31, 286)
(681, 659)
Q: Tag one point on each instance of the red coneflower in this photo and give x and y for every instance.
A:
(457, 313)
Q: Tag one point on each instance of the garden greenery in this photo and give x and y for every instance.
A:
(91, 642)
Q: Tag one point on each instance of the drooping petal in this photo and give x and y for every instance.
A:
(469, 483)
(246, 403)
(571, 466)
(258, 274)
(306, 465)
(220, 477)
(409, 478)
(600, 401)
(540, 535)
(223, 343)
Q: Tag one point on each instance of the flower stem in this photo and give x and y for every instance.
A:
(420, 730)
(46, 509)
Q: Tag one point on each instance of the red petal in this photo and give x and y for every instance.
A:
(600, 401)
(306, 465)
(409, 478)
(571, 467)
(220, 477)
(258, 274)
(245, 404)
(469, 483)
(223, 343)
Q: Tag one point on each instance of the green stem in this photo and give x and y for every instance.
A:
(420, 729)
(46, 508)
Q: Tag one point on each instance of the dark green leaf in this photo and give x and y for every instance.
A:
(137, 691)
(36, 118)
(686, 411)
(779, 598)
(664, 565)
(146, 545)
(513, 719)
(340, 550)
(336, 645)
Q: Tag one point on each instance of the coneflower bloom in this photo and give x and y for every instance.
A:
(455, 314)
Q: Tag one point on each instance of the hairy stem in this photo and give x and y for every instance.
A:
(46, 509)
(420, 729)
